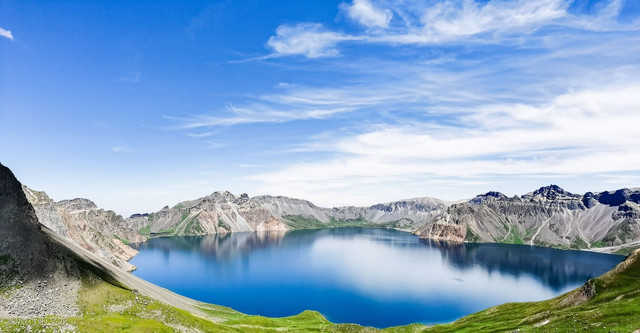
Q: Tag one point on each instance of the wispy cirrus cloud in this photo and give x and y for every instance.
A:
(6, 34)
(251, 114)
(444, 22)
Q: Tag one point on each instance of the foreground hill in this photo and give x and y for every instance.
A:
(549, 216)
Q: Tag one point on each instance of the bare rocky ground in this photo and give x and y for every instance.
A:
(54, 295)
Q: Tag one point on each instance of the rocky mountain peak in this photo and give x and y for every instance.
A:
(78, 204)
(491, 195)
(551, 192)
(36, 197)
(221, 197)
(242, 199)
(270, 199)
(619, 197)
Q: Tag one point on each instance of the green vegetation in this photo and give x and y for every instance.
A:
(513, 237)
(166, 232)
(146, 231)
(123, 240)
(579, 243)
(191, 225)
(303, 222)
(471, 236)
(627, 250)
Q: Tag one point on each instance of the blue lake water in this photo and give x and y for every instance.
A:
(373, 277)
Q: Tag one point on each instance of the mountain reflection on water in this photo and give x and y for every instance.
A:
(376, 277)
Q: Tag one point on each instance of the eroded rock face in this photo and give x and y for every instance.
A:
(405, 214)
(94, 229)
(220, 212)
(549, 216)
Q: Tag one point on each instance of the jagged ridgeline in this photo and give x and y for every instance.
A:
(549, 216)
(107, 234)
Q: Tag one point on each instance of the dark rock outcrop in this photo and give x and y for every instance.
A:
(31, 262)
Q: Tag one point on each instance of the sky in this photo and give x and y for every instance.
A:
(141, 104)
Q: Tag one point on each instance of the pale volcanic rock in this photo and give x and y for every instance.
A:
(549, 216)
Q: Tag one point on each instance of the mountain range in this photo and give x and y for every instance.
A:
(549, 216)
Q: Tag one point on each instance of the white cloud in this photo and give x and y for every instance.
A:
(308, 39)
(6, 34)
(450, 21)
(363, 12)
(583, 133)
(257, 113)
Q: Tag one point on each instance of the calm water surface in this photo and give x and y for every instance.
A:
(373, 277)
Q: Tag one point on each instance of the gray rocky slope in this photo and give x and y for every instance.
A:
(31, 264)
(549, 216)
(96, 230)
(42, 271)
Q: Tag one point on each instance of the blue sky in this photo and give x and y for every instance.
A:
(137, 105)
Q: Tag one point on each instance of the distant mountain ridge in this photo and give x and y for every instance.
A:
(549, 216)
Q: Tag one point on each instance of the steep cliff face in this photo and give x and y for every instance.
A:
(549, 216)
(80, 220)
(405, 214)
(30, 262)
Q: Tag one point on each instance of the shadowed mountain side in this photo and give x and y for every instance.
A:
(30, 261)
(42, 271)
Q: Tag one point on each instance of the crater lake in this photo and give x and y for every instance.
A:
(372, 277)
